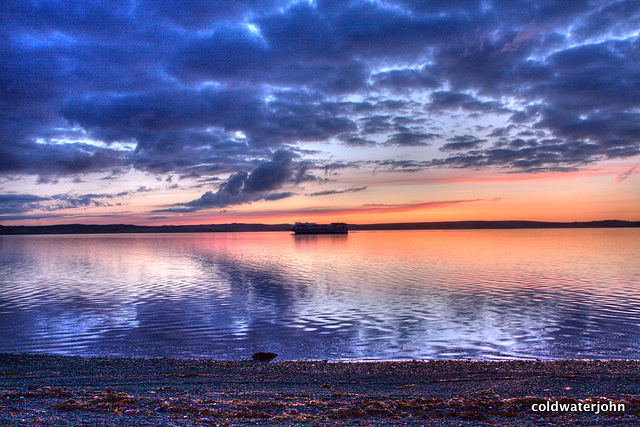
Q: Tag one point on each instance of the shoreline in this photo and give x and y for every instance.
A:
(250, 227)
(70, 390)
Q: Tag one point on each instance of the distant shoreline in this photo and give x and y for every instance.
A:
(237, 227)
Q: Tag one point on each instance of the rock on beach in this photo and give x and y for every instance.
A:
(264, 356)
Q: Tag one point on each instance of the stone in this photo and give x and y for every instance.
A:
(264, 356)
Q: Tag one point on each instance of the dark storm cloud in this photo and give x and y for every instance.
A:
(595, 75)
(502, 131)
(34, 158)
(520, 117)
(298, 46)
(272, 175)
(178, 129)
(278, 196)
(529, 156)
(388, 31)
(463, 142)
(410, 139)
(376, 124)
(455, 100)
(243, 187)
(201, 88)
(616, 17)
(519, 143)
(405, 79)
(152, 115)
(353, 140)
(386, 124)
(198, 13)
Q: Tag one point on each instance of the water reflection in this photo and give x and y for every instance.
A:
(320, 240)
(373, 295)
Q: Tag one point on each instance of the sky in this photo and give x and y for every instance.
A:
(157, 112)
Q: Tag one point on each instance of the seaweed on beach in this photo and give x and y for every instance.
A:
(111, 392)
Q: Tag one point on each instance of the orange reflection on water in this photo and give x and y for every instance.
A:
(598, 255)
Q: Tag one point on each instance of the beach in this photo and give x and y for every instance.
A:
(42, 390)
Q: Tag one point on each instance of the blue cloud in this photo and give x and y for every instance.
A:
(181, 80)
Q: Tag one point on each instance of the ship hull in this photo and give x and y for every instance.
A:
(313, 228)
(320, 231)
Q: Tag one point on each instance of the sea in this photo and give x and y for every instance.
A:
(368, 295)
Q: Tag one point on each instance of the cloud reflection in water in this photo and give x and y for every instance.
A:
(371, 295)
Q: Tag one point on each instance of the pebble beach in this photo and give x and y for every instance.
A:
(45, 390)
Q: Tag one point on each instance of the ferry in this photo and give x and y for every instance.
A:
(313, 228)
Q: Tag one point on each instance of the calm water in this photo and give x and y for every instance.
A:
(369, 295)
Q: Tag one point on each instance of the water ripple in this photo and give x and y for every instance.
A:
(372, 295)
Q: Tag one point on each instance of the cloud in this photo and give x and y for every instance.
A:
(331, 168)
(278, 196)
(445, 100)
(20, 203)
(405, 79)
(31, 217)
(413, 206)
(403, 165)
(464, 142)
(376, 124)
(67, 159)
(410, 139)
(179, 81)
(503, 131)
(330, 192)
(365, 208)
(624, 175)
(17, 203)
(617, 17)
(243, 187)
(538, 157)
(197, 14)
(353, 140)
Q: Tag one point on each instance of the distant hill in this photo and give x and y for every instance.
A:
(213, 228)
(480, 225)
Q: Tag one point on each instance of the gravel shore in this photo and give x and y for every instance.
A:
(37, 390)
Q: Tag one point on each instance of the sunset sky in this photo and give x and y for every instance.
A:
(156, 112)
